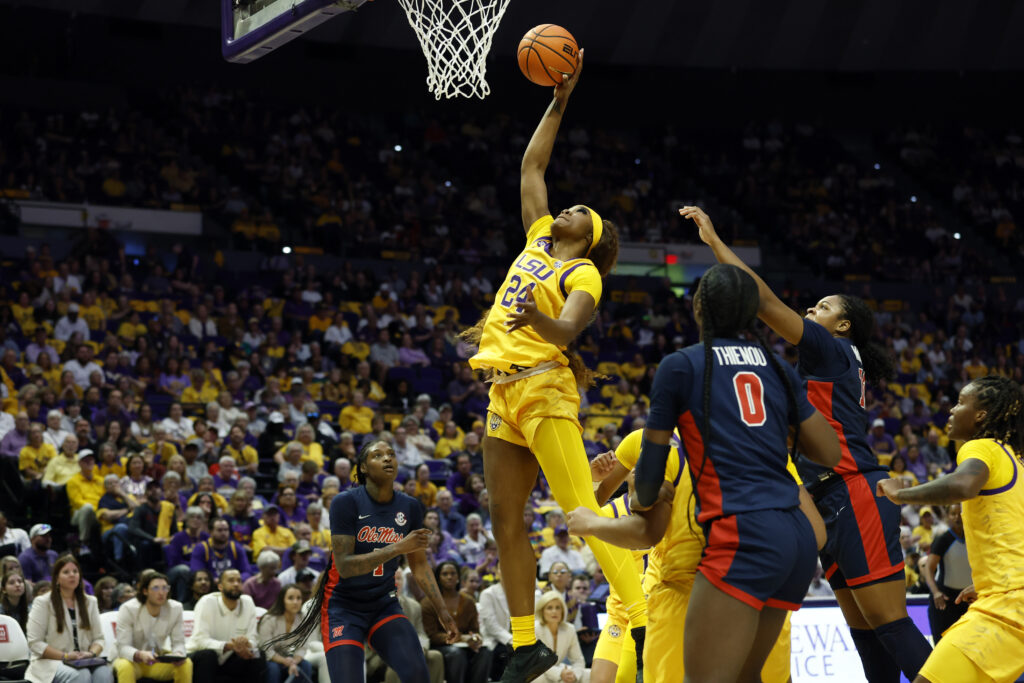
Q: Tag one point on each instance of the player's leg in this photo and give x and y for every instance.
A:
(393, 637)
(720, 630)
(346, 662)
(663, 654)
(768, 628)
(557, 445)
(344, 638)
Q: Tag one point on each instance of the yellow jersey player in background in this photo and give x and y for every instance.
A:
(670, 526)
(548, 297)
(987, 643)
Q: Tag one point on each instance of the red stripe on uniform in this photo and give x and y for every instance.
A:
(325, 623)
(869, 525)
(782, 604)
(820, 396)
(346, 642)
(732, 591)
(723, 541)
(831, 570)
(382, 622)
(709, 488)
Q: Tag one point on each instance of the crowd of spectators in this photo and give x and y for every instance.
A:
(167, 412)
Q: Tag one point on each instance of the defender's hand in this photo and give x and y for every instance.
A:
(602, 465)
(579, 521)
(704, 225)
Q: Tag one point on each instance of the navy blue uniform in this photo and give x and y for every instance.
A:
(760, 546)
(863, 543)
(365, 608)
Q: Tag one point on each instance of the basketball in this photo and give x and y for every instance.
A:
(546, 52)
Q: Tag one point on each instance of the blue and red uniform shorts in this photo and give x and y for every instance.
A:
(863, 545)
(765, 558)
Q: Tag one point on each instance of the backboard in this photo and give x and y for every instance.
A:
(251, 29)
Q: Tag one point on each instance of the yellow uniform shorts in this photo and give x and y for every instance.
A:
(663, 647)
(986, 644)
(129, 672)
(517, 407)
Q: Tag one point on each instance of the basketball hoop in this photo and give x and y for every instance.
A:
(455, 36)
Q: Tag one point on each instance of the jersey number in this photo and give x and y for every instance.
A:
(860, 372)
(750, 396)
(379, 571)
(515, 285)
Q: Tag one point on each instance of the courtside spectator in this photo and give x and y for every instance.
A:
(143, 625)
(224, 639)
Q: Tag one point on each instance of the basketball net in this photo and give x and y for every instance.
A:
(455, 36)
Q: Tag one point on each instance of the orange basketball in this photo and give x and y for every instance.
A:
(546, 52)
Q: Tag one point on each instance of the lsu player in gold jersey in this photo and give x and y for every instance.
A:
(548, 297)
(670, 526)
(987, 643)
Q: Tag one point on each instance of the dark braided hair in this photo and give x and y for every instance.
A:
(877, 362)
(1003, 402)
(288, 642)
(728, 301)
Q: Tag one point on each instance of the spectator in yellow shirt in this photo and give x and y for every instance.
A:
(272, 534)
(898, 470)
(132, 328)
(84, 492)
(65, 465)
(356, 417)
(426, 490)
(245, 455)
(199, 391)
(91, 312)
(925, 531)
(635, 369)
(451, 440)
(35, 454)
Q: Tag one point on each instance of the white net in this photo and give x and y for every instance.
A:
(455, 36)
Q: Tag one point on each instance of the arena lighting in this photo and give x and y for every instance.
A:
(913, 199)
(878, 167)
(671, 259)
(956, 235)
(447, 183)
(286, 250)
(636, 161)
(398, 148)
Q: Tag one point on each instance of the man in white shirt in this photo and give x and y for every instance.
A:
(223, 640)
(179, 428)
(300, 553)
(409, 457)
(12, 536)
(69, 324)
(82, 365)
(54, 433)
(496, 625)
(202, 325)
(561, 552)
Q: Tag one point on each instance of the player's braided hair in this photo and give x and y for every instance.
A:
(729, 301)
(877, 362)
(300, 634)
(1003, 402)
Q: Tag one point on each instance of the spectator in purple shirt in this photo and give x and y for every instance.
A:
(114, 410)
(916, 463)
(460, 388)
(219, 552)
(919, 417)
(880, 442)
(37, 560)
(17, 438)
(458, 482)
(308, 489)
(411, 356)
(178, 552)
(226, 479)
(451, 520)
(241, 519)
(264, 586)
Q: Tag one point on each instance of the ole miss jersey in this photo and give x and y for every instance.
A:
(745, 467)
(374, 525)
(835, 386)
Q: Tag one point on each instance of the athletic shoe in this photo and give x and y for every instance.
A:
(528, 662)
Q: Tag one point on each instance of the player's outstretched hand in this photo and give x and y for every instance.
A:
(450, 629)
(704, 224)
(579, 521)
(967, 595)
(565, 88)
(524, 313)
(890, 488)
(602, 465)
(417, 539)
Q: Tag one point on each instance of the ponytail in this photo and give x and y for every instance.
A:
(877, 362)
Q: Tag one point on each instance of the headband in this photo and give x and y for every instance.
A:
(598, 228)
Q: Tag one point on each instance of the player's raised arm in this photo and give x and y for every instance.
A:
(786, 322)
(533, 192)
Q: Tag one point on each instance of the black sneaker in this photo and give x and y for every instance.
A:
(639, 633)
(528, 662)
